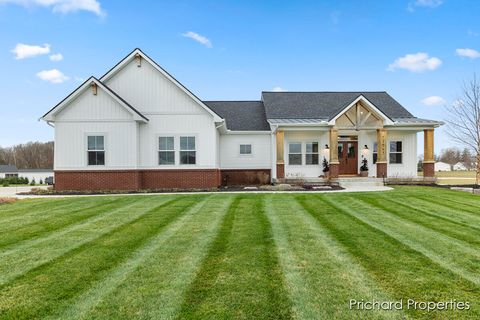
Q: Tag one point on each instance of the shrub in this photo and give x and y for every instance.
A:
(33, 182)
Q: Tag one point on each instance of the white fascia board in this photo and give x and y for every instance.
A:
(131, 56)
(50, 116)
(245, 132)
(386, 120)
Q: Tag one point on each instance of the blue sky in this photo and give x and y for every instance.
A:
(235, 49)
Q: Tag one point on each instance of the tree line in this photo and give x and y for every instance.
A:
(30, 155)
(454, 155)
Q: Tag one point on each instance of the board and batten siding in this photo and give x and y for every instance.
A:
(303, 137)
(91, 114)
(230, 157)
(171, 112)
(200, 126)
(149, 91)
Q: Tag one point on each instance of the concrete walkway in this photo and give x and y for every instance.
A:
(12, 192)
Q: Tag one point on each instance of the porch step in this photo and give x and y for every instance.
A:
(358, 181)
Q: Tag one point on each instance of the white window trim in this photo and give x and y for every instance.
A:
(318, 153)
(180, 150)
(160, 150)
(289, 153)
(403, 148)
(105, 147)
(245, 155)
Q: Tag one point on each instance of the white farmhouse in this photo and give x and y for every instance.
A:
(459, 166)
(137, 127)
(442, 166)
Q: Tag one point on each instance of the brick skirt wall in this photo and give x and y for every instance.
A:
(137, 179)
(245, 176)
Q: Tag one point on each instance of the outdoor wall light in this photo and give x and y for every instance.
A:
(326, 147)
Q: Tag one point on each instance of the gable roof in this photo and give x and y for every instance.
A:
(241, 115)
(325, 105)
(85, 85)
(8, 168)
(132, 55)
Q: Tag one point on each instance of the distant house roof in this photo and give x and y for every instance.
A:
(35, 170)
(8, 168)
(241, 115)
(325, 105)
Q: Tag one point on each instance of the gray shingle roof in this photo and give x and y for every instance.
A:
(7, 168)
(241, 115)
(321, 105)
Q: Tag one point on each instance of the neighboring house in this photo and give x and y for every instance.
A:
(442, 166)
(11, 171)
(8, 171)
(459, 166)
(137, 127)
(37, 174)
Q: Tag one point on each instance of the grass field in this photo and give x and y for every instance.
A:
(454, 177)
(245, 256)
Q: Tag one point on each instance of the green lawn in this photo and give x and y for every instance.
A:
(244, 256)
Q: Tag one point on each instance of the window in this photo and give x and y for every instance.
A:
(375, 152)
(395, 151)
(188, 155)
(96, 151)
(11, 175)
(311, 153)
(245, 149)
(295, 153)
(166, 151)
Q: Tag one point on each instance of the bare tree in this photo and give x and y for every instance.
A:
(464, 120)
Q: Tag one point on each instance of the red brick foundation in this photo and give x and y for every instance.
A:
(381, 169)
(334, 170)
(280, 171)
(429, 169)
(137, 179)
(245, 177)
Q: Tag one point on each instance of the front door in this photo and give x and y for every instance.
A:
(348, 157)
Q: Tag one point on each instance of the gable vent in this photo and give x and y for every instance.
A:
(138, 57)
(94, 88)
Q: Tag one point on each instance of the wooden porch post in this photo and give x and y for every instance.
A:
(428, 153)
(280, 138)
(334, 163)
(381, 153)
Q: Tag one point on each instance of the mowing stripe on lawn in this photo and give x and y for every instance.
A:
(455, 255)
(36, 208)
(321, 277)
(31, 254)
(155, 279)
(240, 277)
(470, 209)
(427, 217)
(398, 269)
(54, 222)
(51, 286)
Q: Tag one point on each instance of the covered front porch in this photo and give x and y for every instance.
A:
(358, 136)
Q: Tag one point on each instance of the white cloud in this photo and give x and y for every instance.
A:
(433, 101)
(199, 38)
(416, 62)
(61, 6)
(278, 89)
(469, 53)
(23, 51)
(423, 3)
(53, 76)
(472, 33)
(56, 57)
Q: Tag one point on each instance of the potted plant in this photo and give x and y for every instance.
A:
(326, 168)
(364, 168)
